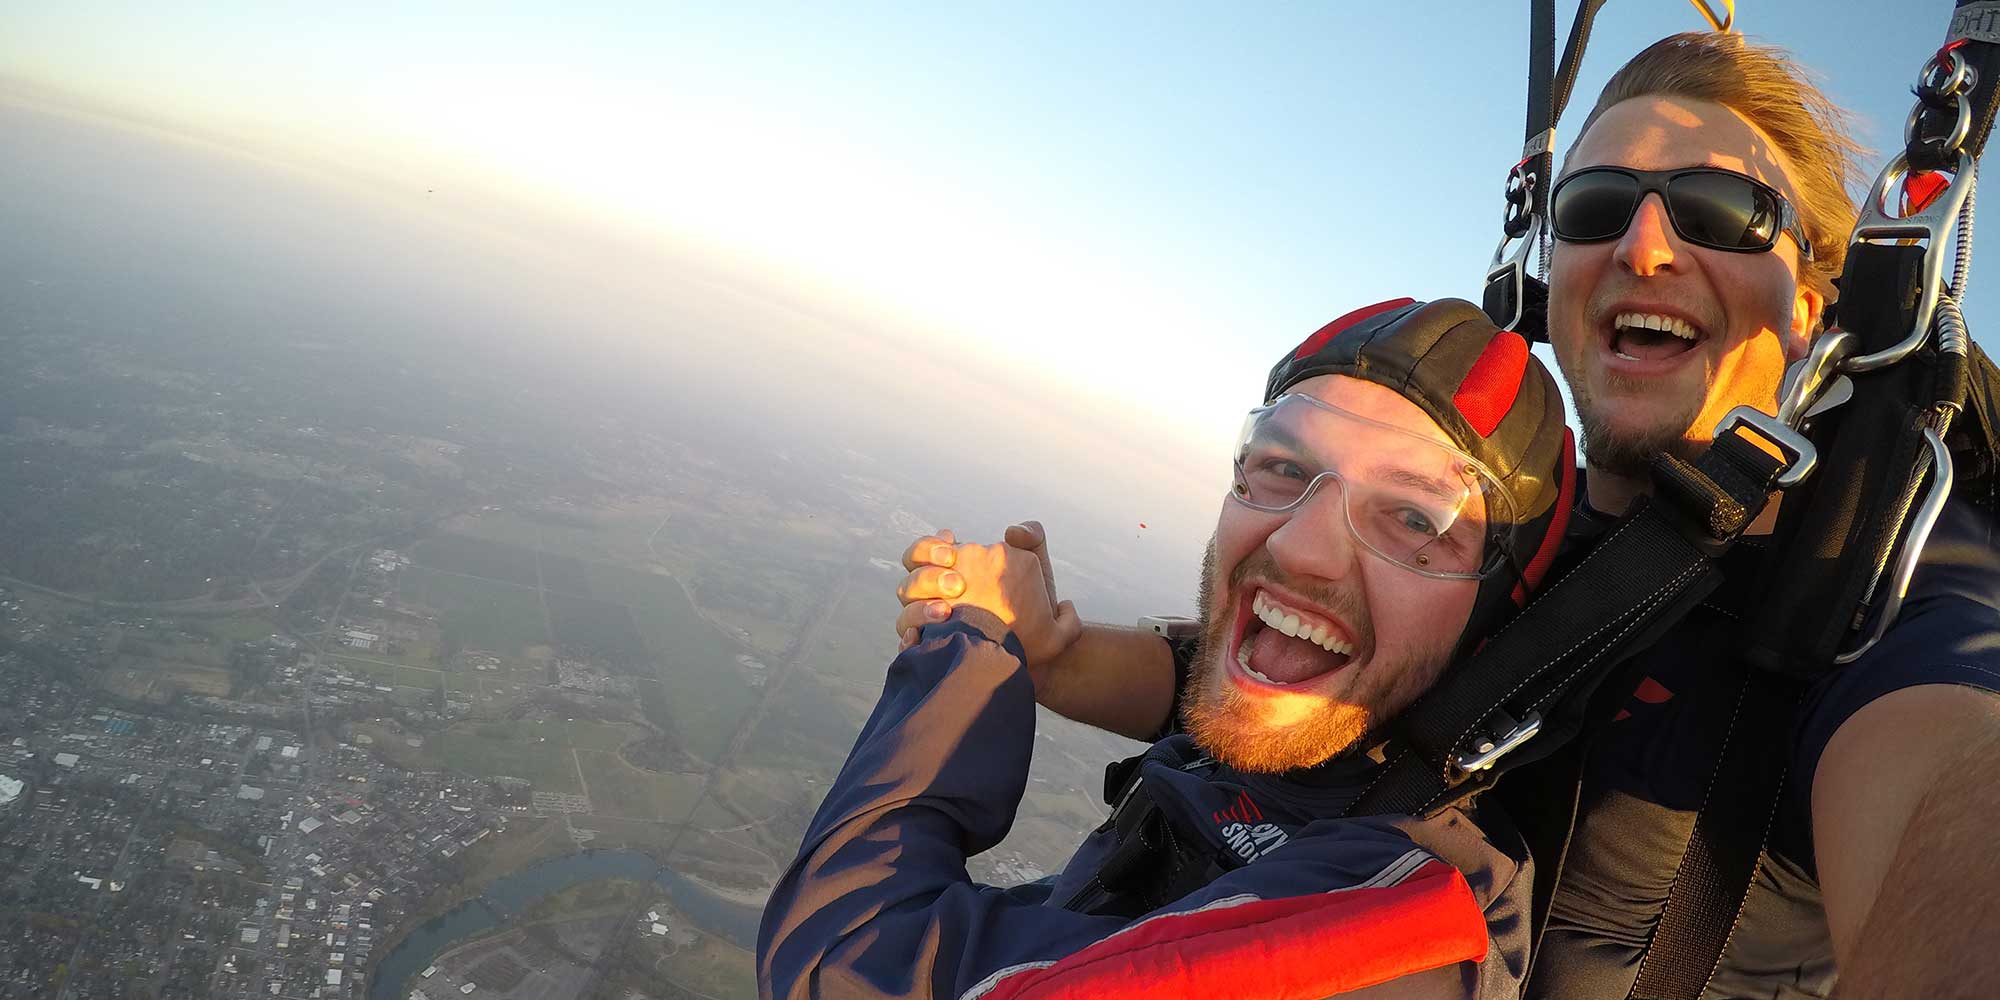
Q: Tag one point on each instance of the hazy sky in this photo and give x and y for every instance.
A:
(1152, 199)
(1137, 207)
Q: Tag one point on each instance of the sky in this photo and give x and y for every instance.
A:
(1131, 209)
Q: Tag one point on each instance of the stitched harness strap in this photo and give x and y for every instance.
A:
(1644, 576)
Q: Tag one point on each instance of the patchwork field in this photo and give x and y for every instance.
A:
(479, 613)
(619, 789)
(508, 597)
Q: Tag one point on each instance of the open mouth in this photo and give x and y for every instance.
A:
(1282, 646)
(1637, 336)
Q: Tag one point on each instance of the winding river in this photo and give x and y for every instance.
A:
(510, 895)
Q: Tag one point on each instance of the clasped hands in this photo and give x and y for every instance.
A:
(1011, 581)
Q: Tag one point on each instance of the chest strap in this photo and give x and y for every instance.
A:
(1522, 693)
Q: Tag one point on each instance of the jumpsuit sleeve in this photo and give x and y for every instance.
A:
(878, 902)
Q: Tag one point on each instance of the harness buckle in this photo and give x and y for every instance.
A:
(1806, 379)
(1800, 455)
(1506, 295)
(1489, 751)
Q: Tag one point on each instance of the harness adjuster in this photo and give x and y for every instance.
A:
(1800, 455)
(1510, 734)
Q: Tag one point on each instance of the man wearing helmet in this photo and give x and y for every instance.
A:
(1397, 493)
(1878, 861)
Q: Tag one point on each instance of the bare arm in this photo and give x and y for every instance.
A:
(1904, 828)
(1118, 679)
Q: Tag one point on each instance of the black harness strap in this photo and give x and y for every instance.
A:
(1730, 833)
(1513, 298)
(1643, 577)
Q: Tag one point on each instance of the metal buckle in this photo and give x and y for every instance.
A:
(1491, 750)
(1511, 269)
(1934, 224)
(1805, 378)
(1913, 544)
(1839, 391)
(1800, 455)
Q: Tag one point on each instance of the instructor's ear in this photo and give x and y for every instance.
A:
(1808, 306)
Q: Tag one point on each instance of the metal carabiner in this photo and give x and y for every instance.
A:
(1506, 277)
(1913, 545)
(1934, 223)
(1806, 379)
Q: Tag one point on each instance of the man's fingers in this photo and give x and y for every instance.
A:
(927, 582)
(1029, 535)
(916, 616)
(909, 639)
(1026, 535)
(931, 550)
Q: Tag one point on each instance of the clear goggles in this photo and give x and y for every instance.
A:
(1415, 501)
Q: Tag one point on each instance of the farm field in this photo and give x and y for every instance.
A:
(501, 618)
(621, 790)
(637, 623)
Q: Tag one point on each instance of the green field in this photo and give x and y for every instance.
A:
(480, 614)
(619, 789)
(480, 557)
(389, 673)
(598, 535)
(582, 734)
(252, 628)
(599, 630)
(700, 688)
(639, 623)
(563, 575)
(805, 729)
(547, 765)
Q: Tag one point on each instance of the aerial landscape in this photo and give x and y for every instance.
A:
(361, 653)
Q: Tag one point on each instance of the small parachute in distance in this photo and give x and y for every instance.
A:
(1142, 524)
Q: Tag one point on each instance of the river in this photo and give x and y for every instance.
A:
(510, 895)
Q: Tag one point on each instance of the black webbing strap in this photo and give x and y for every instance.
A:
(1730, 832)
(1837, 532)
(1512, 292)
(1549, 85)
(1644, 576)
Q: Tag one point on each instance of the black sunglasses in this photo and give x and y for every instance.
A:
(1709, 207)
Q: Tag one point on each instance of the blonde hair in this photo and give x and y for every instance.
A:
(1764, 84)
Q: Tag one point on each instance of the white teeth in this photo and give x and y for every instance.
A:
(1278, 617)
(1654, 321)
(1243, 660)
